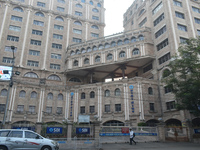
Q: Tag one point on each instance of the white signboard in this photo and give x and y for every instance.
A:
(5, 72)
(84, 119)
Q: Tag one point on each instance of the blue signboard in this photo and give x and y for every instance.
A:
(197, 131)
(54, 130)
(126, 134)
(82, 130)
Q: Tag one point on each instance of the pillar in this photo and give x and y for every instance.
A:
(97, 126)
(69, 131)
(161, 132)
(39, 128)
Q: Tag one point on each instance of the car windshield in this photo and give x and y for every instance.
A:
(4, 133)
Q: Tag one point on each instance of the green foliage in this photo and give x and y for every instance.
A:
(184, 78)
(142, 124)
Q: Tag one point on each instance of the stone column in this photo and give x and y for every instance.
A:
(7, 125)
(189, 131)
(69, 131)
(161, 132)
(97, 126)
(39, 128)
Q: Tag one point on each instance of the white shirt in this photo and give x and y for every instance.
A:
(131, 134)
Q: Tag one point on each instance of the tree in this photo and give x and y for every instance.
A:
(184, 76)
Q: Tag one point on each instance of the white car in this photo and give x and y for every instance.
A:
(17, 139)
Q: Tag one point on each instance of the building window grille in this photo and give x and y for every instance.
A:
(182, 27)
(157, 8)
(4, 92)
(150, 91)
(55, 56)
(92, 109)
(58, 27)
(55, 66)
(36, 42)
(94, 27)
(54, 77)
(13, 38)
(57, 36)
(197, 20)
(142, 22)
(177, 3)
(82, 109)
(98, 5)
(49, 110)
(95, 35)
(75, 63)
(180, 15)
(82, 95)
(159, 19)
(107, 93)
(162, 44)
(34, 52)
(61, 9)
(107, 108)
(79, 6)
(160, 32)
(151, 106)
(15, 28)
(38, 23)
(60, 96)
(122, 54)
(197, 10)
(117, 92)
(170, 105)
(95, 18)
(2, 107)
(59, 110)
(32, 109)
(118, 107)
(50, 96)
(33, 95)
(18, 9)
(57, 46)
(16, 18)
(20, 108)
(78, 13)
(147, 68)
(92, 94)
(86, 61)
(75, 80)
(59, 19)
(77, 31)
(77, 40)
(40, 4)
(136, 52)
(31, 75)
(97, 59)
(22, 93)
(168, 89)
(7, 60)
(8, 49)
(37, 32)
(78, 23)
(164, 58)
(39, 14)
(109, 57)
(61, 1)
(183, 40)
(95, 10)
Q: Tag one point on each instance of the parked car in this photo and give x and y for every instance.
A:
(17, 139)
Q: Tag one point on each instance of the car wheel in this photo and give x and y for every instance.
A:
(45, 148)
(3, 148)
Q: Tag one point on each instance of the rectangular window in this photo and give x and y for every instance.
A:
(92, 109)
(180, 15)
(107, 108)
(7, 60)
(160, 32)
(78, 13)
(32, 109)
(36, 42)
(32, 63)
(20, 108)
(195, 9)
(177, 3)
(77, 31)
(157, 8)
(2, 107)
(8, 49)
(13, 38)
(170, 105)
(16, 18)
(94, 35)
(61, 1)
(58, 27)
(34, 52)
(197, 20)
(198, 32)
(95, 18)
(20, 0)
(57, 36)
(167, 89)
(182, 27)
(37, 32)
(164, 58)
(59, 110)
(159, 19)
(40, 4)
(183, 40)
(55, 66)
(49, 110)
(55, 56)
(118, 107)
(57, 46)
(38, 23)
(143, 22)
(14, 28)
(61, 9)
(151, 106)
(147, 68)
(82, 109)
(162, 44)
(76, 40)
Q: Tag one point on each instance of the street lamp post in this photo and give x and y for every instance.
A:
(10, 85)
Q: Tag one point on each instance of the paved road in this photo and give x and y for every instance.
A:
(151, 146)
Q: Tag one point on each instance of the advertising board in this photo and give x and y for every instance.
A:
(5, 72)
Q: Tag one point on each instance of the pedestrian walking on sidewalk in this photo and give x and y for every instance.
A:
(132, 135)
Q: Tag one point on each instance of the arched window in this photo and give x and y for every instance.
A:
(136, 51)
(33, 94)
(94, 27)
(79, 6)
(107, 93)
(117, 92)
(95, 10)
(141, 37)
(18, 9)
(89, 49)
(101, 47)
(78, 51)
(72, 53)
(119, 42)
(39, 14)
(126, 41)
(86, 61)
(50, 96)
(83, 95)
(94, 48)
(166, 73)
(83, 50)
(22, 93)
(150, 91)
(83, 1)
(107, 45)
(97, 59)
(141, 12)
(113, 44)
(122, 54)
(74, 80)
(98, 5)
(4, 92)
(92, 94)
(59, 19)
(31, 75)
(76, 63)
(54, 77)
(133, 39)
(78, 23)
(60, 96)
(109, 57)
(91, 2)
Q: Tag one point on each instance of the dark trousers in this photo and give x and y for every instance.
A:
(131, 140)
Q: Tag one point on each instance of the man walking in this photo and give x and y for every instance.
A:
(132, 135)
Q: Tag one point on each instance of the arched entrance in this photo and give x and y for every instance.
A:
(152, 122)
(24, 125)
(196, 122)
(173, 122)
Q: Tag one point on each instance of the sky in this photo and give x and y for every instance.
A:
(114, 15)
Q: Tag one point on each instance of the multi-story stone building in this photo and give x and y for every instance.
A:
(67, 67)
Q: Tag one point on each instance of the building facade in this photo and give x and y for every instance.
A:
(67, 67)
